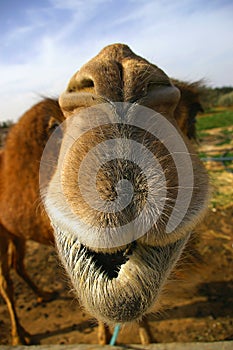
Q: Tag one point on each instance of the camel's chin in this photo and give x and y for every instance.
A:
(119, 287)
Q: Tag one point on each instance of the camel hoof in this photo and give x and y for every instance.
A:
(144, 333)
(46, 296)
(23, 339)
(104, 334)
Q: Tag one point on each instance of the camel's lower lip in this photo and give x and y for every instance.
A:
(121, 294)
(119, 287)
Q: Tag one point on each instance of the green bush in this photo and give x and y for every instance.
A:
(210, 96)
(6, 124)
(226, 100)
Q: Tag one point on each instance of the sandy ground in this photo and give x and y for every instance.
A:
(206, 315)
(203, 315)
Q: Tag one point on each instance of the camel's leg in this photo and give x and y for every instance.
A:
(19, 335)
(104, 334)
(144, 332)
(18, 254)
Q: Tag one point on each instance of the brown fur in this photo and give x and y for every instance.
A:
(188, 107)
(22, 215)
(126, 280)
(116, 74)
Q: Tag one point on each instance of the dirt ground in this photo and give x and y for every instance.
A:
(203, 315)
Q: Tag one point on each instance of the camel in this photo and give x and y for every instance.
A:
(22, 216)
(117, 283)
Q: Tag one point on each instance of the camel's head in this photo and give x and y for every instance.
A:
(128, 188)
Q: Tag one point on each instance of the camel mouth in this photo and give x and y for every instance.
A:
(110, 263)
(122, 286)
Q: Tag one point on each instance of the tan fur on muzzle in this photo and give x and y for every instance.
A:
(107, 270)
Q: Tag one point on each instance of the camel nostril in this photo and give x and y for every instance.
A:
(86, 83)
(80, 84)
(152, 85)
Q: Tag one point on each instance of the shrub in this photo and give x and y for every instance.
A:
(226, 100)
(6, 124)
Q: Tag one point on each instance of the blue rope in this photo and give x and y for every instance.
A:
(115, 334)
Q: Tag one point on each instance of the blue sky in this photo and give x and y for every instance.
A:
(44, 42)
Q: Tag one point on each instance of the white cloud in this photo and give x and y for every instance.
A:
(188, 39)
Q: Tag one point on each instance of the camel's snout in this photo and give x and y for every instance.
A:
(125, 173)
(122, 176)
(117, 78)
